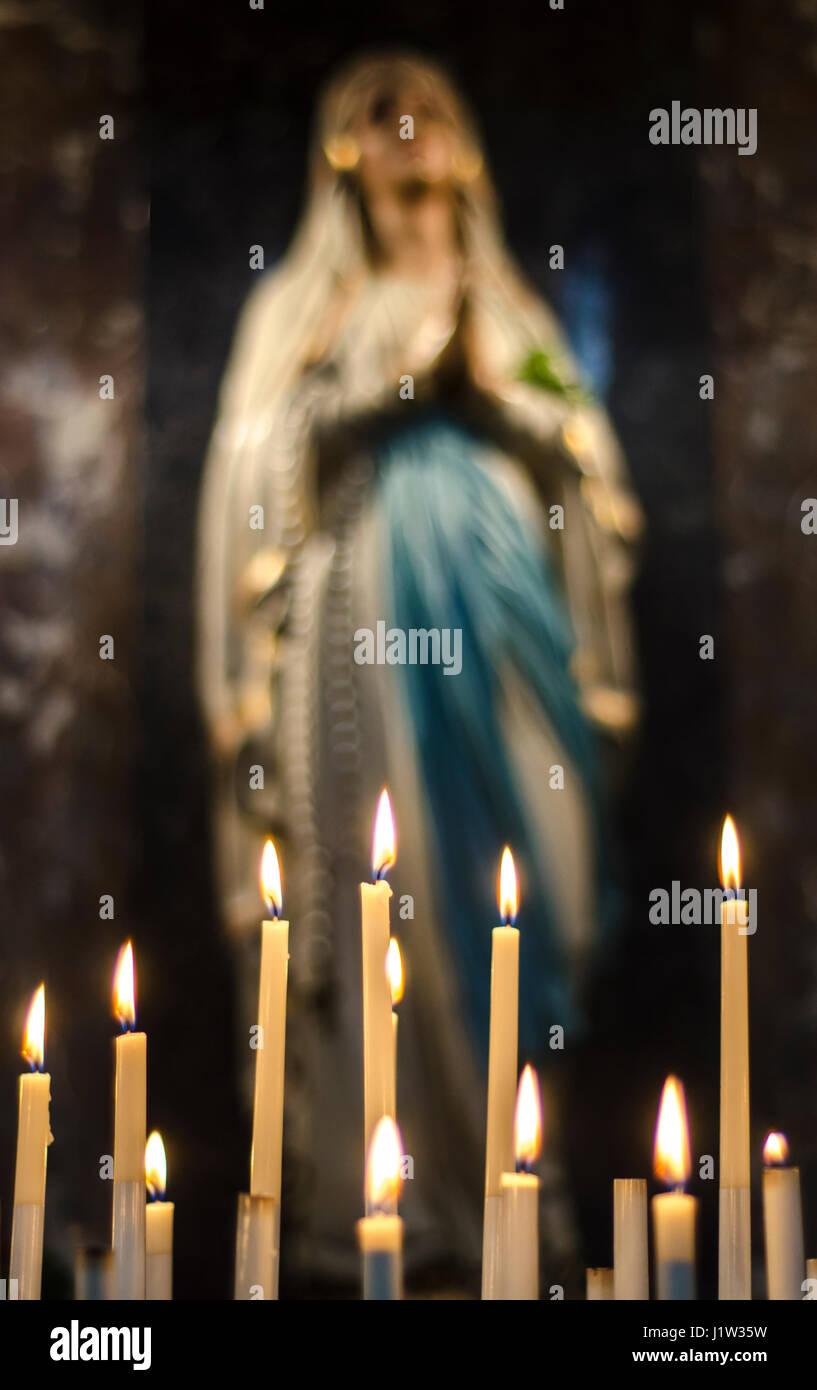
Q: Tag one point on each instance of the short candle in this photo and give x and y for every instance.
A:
(673, 1213)
(519, 1226)
(630, 1240)
(159, 1229)
(380, 1233)
(782, 1223)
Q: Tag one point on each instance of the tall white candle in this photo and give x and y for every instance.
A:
(380, 1233)
(502, 1069)
(519, 1223)
(33, 1138)
(270, 1038)
(396, 978)
(130, 1106)
(159, 1228)
(673, 1213)
(734, 1223)
(378, 1031)
(258, 1230)
(782, 1223)
(630, 1240)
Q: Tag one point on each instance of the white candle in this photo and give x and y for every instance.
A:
(270, 1039)
(159, 1227)
(502, 1071)
(673, 1213)
(600, 1286)
(782, 1223)
(380, 1233)
(734, 1224)
(130, 1106)
(519, 1225)
(33, 1138)
(378, 1031)
(396, 978)
(630, 1241)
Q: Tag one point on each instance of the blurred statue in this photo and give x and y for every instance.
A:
(403, 439)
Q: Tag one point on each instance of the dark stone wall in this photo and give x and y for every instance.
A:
(761, 239)
(75, 217)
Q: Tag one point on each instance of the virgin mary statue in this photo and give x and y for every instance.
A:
(416, 539)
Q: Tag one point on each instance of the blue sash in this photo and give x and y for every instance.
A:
(463, 557)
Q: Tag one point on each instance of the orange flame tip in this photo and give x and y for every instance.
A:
(508, 893)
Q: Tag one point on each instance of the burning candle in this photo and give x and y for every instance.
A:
(270, 1041)
(378, 1031)
(380, 1233)
(782, 1222)
(396, 977)
(33, 1138)
(130, 1104)
(519, 1250)
(673, 1213)
(502, 1070)
(630, 1243)
(734, 1218)
(159, 1228)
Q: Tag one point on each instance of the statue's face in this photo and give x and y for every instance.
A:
(389, 161)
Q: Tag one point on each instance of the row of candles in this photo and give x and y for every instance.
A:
(142, 1244)
(142, 1232)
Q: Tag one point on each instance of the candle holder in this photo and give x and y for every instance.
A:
(26, 1261)
(491, 1234)
(92, 1274)
(256, 1248)
(128, 1240)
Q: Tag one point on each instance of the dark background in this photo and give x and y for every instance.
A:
(678, 262)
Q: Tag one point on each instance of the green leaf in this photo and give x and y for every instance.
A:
(539, 369)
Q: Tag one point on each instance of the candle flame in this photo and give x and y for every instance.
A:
(269, 878)
(775, 1150)
(384, 839)
(394, 970)
(155, 1166)
(527, 1120)
(730, 855)
(383, 1164)
(508, 895)
(671, 1162)
(124, 989)
(34, 1035)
